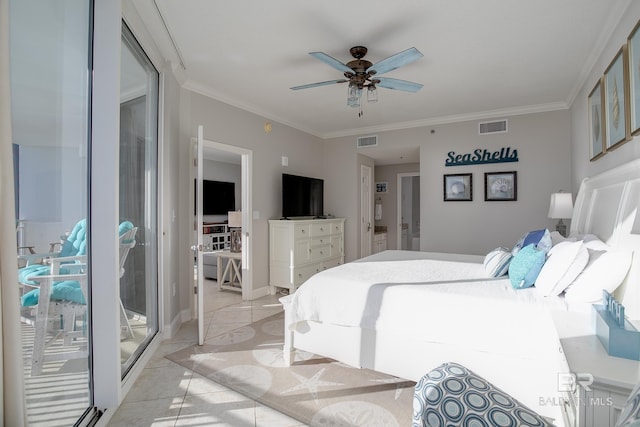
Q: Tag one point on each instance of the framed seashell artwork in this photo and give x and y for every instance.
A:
(458, 187)
(633, 71)
(615, 101)
(596, 122)
(501, 186)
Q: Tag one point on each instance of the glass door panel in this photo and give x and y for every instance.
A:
(138, 198)
(50, 61)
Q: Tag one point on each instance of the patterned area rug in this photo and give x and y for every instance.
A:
(315, 390)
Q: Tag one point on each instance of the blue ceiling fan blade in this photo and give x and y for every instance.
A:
(331, 61)
(330, 82)
(396, 61)
(398, 84)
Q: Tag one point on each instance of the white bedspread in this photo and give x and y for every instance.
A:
(447, 300)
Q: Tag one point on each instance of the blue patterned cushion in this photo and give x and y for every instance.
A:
(451, 394)
(630, 416)
(540, 238)
(525, 267)
(496, 263)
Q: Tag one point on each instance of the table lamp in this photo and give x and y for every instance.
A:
(561, 207)
(235, 227)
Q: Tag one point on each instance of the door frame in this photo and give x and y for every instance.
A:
(366, 210)
(246, 157)
(399, 207)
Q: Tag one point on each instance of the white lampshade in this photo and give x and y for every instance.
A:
(235, 219)
(561, 206)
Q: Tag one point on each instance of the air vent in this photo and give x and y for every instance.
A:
(368, 141)
(499, 126)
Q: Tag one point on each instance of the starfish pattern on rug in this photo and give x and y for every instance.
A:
(311, 384)
(399, 384)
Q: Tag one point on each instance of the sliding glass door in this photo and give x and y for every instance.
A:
(138, 198)
(52, 51)
(50, 59)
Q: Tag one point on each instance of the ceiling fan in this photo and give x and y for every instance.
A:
(361, 74)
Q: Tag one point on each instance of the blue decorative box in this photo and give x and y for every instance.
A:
(617, 340)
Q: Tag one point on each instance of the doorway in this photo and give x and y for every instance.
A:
(222, 163)
(408, 211)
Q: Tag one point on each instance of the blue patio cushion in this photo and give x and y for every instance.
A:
(76, 243)
(26, 274)
(67, 290)
(124, 227)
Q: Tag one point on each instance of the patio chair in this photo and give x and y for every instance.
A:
(64, 316)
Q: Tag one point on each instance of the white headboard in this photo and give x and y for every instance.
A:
(608, 205)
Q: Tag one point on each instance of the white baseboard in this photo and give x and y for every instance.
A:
(258, 293)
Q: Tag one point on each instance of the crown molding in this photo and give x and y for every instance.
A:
(481, 115)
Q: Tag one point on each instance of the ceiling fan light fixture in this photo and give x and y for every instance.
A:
(372, 94)
(353, 96)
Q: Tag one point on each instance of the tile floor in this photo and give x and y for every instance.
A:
(167, 394)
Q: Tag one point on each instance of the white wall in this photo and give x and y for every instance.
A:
(581, 166)
(476, 227)
(229, 125)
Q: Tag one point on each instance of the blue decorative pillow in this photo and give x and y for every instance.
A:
(540, 238)
(496, 263)
(526, 266)
(452, 395)
(630, 416)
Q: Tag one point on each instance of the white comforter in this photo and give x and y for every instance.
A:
(447, 300)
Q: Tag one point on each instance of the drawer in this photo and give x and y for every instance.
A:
(322, 229)
(320, 252)
(337, 227)
(318, 241)
(301, 274)
(301, 251)
(332, 263)
(301, 230)
(336, 246)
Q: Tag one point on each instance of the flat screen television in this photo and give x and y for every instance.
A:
(218, 197)
(302, 196)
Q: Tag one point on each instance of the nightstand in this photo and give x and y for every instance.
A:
(602, 383)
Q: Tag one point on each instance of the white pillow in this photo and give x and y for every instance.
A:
(496, 263)
(605, 270)
(564, 262)
(556, 238)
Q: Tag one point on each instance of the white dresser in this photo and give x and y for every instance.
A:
(298, 249)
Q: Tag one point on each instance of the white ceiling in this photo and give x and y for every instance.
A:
(482, 59)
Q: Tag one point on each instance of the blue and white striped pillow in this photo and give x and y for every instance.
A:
(496, 263)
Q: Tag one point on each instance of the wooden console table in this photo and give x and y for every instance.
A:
(230, 277)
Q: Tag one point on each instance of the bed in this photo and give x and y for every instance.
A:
(405, 313)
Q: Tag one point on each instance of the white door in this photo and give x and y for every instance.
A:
(366, 211)
(199, 288)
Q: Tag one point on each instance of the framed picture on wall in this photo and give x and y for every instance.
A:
(381, 187)
(501, 186)
(633, 70)
(458, 187)
(615, 101)
(596, 122)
